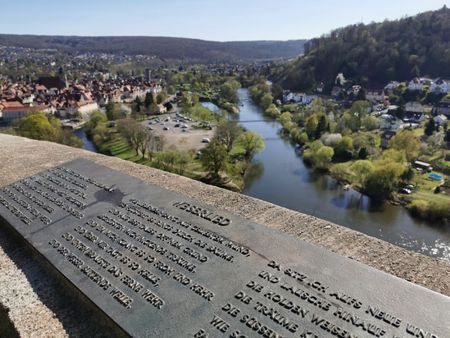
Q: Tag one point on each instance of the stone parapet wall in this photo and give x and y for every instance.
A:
(37, 307)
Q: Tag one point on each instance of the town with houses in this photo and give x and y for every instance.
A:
(76, 99)
(414, 113)
(65, 100)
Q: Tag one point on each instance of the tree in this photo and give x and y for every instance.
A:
(227, 133)
(318, 155)
(96, 118)
(96, 127)
(344, 149)
(214, 157)
(286, 120)
(360, 108)
(365, 140)
(149, 100)
(407, 142)
(311, 126)
(430, 127)
(228, 91)
(436, 140)
(39, 127)
(351, 121)
(272, 110)
(252, 143)
(370, 123)
(155, 144)
(161, 97)
(200, 113)
(447, 135)
(134, 133)
(363, 153)
(111, 110)
(182, 161)
(137, 104)
(321, 126)
(167, 160)
(277, 91)
(381, 182)
(266, 101)
(323, 157)
(361, 95)
(331, 140)
(361, 169)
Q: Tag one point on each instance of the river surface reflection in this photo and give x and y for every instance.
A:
(279, 176)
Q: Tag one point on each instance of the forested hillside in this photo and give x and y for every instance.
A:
(375, 54)
(162, 47)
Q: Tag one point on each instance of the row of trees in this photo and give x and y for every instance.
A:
(143, 141)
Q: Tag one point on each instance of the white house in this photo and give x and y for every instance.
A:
(28, 99)
(415, 85)
(391, 85)
(440, 87)
(87, 107)
(374, 95)
(440, 119)
(302, 98)
(414, 107)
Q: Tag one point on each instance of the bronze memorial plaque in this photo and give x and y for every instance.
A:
(159, 264)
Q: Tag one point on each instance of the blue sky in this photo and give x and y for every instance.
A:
(221, 20)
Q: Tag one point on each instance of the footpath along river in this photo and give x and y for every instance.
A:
(279, 176)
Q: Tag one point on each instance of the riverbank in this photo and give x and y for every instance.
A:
(422, 202)
(279, 175)
(352, 150)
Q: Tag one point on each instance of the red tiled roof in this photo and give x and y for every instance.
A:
(12, 104)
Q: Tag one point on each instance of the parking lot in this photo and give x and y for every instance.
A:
(179, 132)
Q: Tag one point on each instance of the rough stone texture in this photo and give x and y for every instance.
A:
(37, 307)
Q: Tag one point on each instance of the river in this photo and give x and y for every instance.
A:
(88, 144)
(279, 176)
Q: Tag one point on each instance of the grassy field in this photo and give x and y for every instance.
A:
(118, 147)
(425, 189)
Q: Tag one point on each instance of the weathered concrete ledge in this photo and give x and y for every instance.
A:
(38, 308)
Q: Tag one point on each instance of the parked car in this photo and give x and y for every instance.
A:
(166, 128)
(176, 125)
(405, 191)
(206, 140)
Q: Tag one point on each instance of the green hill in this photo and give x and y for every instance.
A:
(374, 54)
(162, 47)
